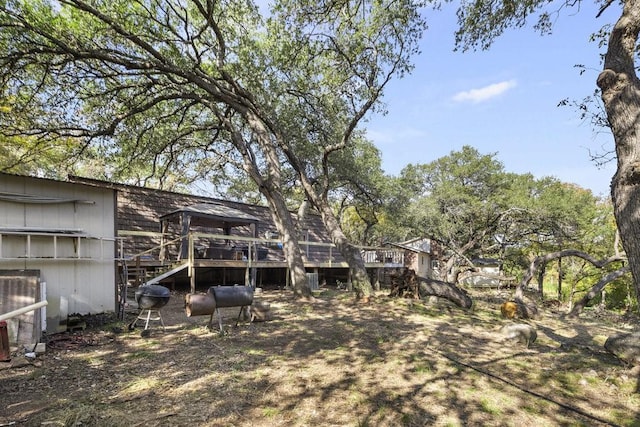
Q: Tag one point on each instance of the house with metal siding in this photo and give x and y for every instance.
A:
(82, 233)
(139, 222)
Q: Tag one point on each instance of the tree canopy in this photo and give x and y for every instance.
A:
(156, 85)
(480, 22)
(473, 208)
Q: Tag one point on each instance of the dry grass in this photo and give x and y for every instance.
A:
(328, 363)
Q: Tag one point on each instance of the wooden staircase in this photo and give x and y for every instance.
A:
(131, 277)
(167, 271)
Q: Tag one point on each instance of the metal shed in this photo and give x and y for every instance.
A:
(66, 232)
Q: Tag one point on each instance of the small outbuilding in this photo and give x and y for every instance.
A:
(418, 255)
(57, 243)
(488, 274)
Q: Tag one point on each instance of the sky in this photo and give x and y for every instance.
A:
(502, 101)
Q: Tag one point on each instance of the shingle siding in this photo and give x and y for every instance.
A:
(140, 209)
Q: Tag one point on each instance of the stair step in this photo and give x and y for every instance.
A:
(164, 272)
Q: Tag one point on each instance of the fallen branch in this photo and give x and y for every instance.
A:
(446, 290)
(407, 284)
(596, 289)
(541, 261)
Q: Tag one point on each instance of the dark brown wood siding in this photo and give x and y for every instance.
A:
(140, 209)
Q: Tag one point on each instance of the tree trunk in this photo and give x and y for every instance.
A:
(357, 270)
(541, 273)
(445, 290)
(620, 89)
(559, 280)
(292, 251)
(449, 273)
(359, 277)
(598, 287)
(270, 184)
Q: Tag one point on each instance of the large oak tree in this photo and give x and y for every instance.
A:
(151, 80)
(482, 21)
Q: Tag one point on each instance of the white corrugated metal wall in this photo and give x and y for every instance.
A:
(79, 272)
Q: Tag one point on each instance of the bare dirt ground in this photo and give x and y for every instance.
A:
(331, 362)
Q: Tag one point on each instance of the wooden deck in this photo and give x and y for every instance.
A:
(227, 257)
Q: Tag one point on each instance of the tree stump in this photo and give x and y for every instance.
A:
(404, 284)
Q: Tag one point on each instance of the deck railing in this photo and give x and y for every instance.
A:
(382, 255)
(249, 249)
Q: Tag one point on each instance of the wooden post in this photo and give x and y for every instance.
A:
(192, 270)
(138, 281)
(164, 229)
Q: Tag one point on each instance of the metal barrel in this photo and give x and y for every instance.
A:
(232, 296)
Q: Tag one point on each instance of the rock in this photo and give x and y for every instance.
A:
(522, 333)
(261, 312)
(625, 346)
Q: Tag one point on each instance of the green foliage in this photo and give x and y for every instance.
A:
(151, 85)
(338, 58)
(458, 201)
(28, 156)
(481, 22)
(618, 295)
(474, 209)
(360, 190)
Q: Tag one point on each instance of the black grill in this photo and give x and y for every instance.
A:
(152, 297)
(232, 296)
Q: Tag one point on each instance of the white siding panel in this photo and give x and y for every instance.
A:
(93, 294)
(73, 286)
(423, 265)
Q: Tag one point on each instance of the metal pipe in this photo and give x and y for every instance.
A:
(23, 310)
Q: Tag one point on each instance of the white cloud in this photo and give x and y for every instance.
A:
(394, 136)
(485, 93)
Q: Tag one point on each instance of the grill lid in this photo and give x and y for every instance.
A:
(153, 291)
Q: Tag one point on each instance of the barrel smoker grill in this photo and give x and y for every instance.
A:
(230, 296)
(150, 299)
